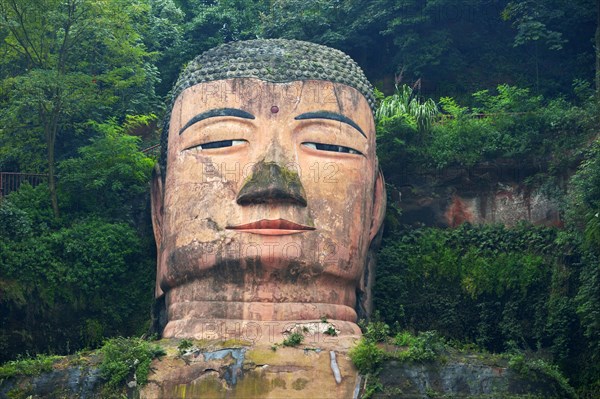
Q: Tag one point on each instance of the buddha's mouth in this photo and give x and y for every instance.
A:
(271, 227)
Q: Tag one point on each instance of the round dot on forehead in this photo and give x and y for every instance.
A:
(274, 109)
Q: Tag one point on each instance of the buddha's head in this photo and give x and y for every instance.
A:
(268, 196)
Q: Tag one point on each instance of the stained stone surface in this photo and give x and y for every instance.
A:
(275, 229)
(240, 369)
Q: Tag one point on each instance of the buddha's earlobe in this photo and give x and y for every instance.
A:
(379, 205)
(157, 200)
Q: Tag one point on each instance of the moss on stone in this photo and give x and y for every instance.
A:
(253, 385)
(261, 356)
(299, 384)
(235, 343)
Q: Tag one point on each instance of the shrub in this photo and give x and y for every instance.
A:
(486, 284)
(377, 330)
(424, 347)
(32, 366)
(184, 345)
(123, 357)
(533, 368)
(367, 356)
(331, 331)
(294, 339)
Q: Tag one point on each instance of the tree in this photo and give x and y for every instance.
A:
(210, 23)
(550, 24)
(110, 175)
(68, 61)
(68, 283)
(597, 42)
(164, 36)
(531, 19)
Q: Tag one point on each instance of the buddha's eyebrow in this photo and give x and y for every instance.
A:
(332, 116)
(217, 112)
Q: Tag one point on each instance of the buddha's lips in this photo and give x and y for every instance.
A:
(272, 227)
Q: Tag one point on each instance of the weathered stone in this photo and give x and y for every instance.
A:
(482, 194)
(272, 199)
(467, 377)
(251, 372)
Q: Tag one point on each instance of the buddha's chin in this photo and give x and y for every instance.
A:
(308, 253)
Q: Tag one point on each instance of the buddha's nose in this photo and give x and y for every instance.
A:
(272, 183)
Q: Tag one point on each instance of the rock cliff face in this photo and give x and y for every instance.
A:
(483, 194)
(467, 378)
(241, 370)
(63, 382)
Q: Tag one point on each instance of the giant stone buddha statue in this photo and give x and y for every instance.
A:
(268, 198)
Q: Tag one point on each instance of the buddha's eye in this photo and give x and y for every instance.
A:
(220, 144)
(331, 147)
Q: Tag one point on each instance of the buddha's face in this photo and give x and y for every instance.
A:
(267, 186)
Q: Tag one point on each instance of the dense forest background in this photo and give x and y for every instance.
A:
(460, 82)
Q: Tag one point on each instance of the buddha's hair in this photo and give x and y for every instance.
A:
(271, 60)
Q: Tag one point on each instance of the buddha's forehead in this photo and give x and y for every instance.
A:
(259, 97)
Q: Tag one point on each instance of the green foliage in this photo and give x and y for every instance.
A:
(461, 137)
(35, 203)
(373, 386)
(208, 24)
(367, 356)
(294, 339)
(65, 276)
(536, 368)
(331, 331)
(588, 309)
(376, 330)
(75, 61)
(126, 357)
(484, 284)
(404, 104)
(65, 267)
(509, 124)
(525, 287)
(28, 366)
(403, 338)
(297, 20)
(109, 174)
(426, 346)
(14, 222)
(184, 345)
(583, 207)
(527, 17)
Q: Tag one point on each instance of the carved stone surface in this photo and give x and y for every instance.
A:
(270, 200)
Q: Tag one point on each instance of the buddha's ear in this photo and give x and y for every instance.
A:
(379, 204)
(157, 196)
(157, 199)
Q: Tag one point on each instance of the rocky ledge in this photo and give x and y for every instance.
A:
(237, 369)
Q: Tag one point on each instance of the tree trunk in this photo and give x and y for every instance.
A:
(598, 49)
(50, 131)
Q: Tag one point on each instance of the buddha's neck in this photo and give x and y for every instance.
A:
(194, 308)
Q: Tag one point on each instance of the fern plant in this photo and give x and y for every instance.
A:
(405, 103)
